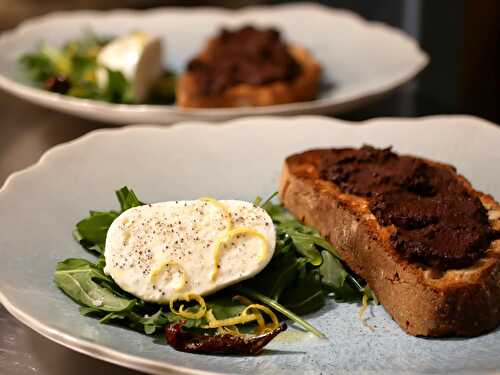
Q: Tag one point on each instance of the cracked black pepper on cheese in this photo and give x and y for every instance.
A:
(160, 251)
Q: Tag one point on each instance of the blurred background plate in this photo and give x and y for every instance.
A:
(239, 159)
(361, 60)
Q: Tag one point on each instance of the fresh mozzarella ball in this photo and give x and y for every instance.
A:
(138, 57)
(160, 251)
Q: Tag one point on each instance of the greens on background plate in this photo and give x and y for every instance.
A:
(73, 70)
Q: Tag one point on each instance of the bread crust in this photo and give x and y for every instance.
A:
(421, 299)
(302, 88)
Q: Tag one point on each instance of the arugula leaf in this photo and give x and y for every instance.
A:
(85, 310)
(150, 323)
(79, 279)
(305, 244)
(99, 296)
(347, 293)
(154, 322)
(118, 89)
(224, 307)
(112, 316)
(127, 198)
(306, 295)
(277, 276)
(91, 231)
(101, 262)
(277, 212)
(144, 323)
(333, 274)
(40, 66)
(309, 246)
(306, 238)
(85, 89)
(307, 241)
(189, 323)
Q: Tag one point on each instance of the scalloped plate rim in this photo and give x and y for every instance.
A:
(75, 106)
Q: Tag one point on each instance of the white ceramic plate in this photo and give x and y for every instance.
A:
(363, 59)
(241, 159)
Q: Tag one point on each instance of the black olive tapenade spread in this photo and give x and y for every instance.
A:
(247, 55)
(438, 222)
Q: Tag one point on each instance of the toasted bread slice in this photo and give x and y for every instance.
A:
(423, 300)
(302, 88)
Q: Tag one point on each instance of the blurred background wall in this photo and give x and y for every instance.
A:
(461, 36)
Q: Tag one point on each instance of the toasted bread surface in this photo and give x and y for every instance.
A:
(302, 88)
(422, 300)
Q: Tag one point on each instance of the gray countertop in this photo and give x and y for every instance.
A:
(23, 352)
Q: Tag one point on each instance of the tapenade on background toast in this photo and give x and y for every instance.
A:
(426, 242)
(248, 67)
